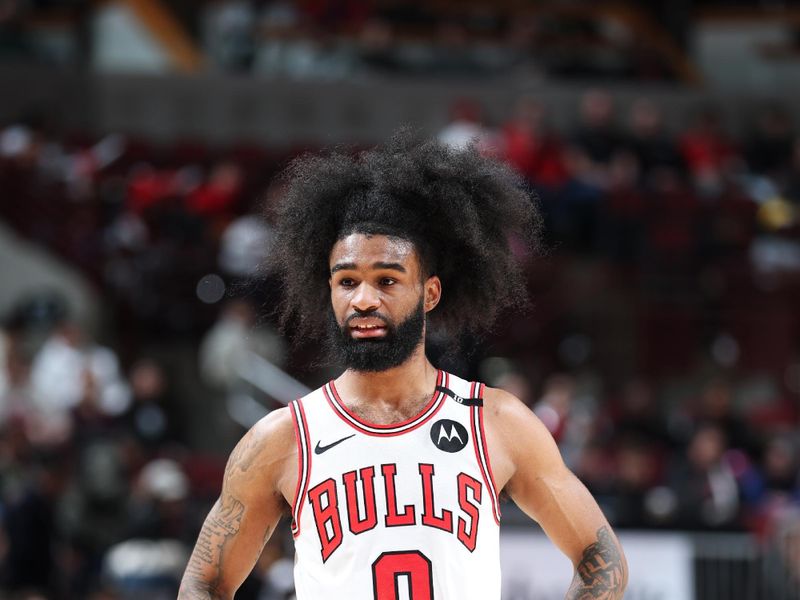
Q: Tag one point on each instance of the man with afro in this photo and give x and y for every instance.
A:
(392, 471)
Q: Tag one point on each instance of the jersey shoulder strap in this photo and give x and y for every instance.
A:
(461, 391)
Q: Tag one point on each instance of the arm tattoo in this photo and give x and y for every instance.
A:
(242, 456)
(222, 524)
(600, 575)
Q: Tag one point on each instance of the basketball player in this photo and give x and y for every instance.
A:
(392, 472)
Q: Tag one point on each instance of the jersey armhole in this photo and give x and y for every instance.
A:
(302, 440)
(481, 449)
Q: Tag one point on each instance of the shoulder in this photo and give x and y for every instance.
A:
(271, 435)
(501, 403)
(266, 452)
(506, 410)
(275, 426)
(516, 427)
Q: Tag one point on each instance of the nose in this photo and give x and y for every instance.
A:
(365, 298)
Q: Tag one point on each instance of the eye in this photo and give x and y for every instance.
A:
(386, 281)
(346, 282)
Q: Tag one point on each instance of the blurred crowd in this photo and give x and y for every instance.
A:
(101, 496)
(333, 39)
(661, 352)
(631, 40)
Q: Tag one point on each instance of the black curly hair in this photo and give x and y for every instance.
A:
(458, 207)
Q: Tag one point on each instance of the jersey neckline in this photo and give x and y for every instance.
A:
(364, 426)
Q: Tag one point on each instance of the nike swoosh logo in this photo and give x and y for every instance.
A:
(320, 449)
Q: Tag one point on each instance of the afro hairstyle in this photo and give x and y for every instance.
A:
(459, 208)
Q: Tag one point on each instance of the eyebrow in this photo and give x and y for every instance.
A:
(377, 265)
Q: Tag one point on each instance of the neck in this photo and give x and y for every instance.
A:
(398, 387)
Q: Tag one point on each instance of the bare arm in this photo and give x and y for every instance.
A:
(602, 571)
(242, 519)
(530, 468)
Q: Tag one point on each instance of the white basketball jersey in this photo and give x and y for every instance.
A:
(390, 512)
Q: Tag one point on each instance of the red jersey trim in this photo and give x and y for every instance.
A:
(303, 462)
(431, 408)
(481, 451)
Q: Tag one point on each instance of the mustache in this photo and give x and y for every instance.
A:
(373, 314)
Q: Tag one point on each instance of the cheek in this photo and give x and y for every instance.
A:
(339, 302)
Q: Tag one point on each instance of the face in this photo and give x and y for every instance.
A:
(379, 300)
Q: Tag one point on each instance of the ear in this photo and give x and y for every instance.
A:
(433, 292)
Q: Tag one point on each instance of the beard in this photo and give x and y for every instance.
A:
(376, 354)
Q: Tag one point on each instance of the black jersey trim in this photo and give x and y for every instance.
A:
(460, 399)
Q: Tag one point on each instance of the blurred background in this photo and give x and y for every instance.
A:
(139, 140)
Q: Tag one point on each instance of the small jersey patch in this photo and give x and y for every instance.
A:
(459, 399)
(449, 436)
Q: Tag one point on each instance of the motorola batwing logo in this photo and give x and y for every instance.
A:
(448, 435)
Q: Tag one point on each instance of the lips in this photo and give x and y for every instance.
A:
(367, 328)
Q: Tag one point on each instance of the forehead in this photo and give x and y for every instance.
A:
(362, 250)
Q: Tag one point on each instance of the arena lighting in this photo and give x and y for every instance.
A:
(210, 288)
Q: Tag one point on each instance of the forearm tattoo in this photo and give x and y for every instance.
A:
(202, 578)
(221, 524)
(600, 575)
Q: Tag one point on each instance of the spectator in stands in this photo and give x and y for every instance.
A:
(774, 484)
(228, 32)
(620, 234)
(466, 126)
(376, 45)
(649, 140)
(159, 503)
(704, 484)
(220, 194)
(272, 577)
(574, 209)
(67, 365)
(16, 401)
(451, 53)
(716, 405)
(555, 403)
(94, 510)
(708, 152)
(597, 136)
(228, 343)
(596, 469)
(637, 416)
(515, 382)
(140, 568)
(768, 147)
(636, 473)
(148, 187)
(574, 212)
(150, 418)
(566, 417)
(159, 529)
(18, 144)
(29, 522)
(671, 219)
(532, 149)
